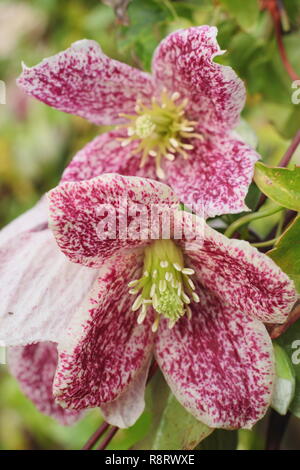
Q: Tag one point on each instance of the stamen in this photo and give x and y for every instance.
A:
(164, 264)
(175, 96)
(177, 266)
(142, 315)
(160, 173)
(155, 325)
(174, 142)
(162, 130)
(188, 271)
(137, 303)
(165, 284)
(152, 291)
(133, 291)
(162, 285)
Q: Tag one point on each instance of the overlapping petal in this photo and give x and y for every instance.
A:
(83, 81)
(128, 407)
(42, 289)
(34, 367)
(237, 272)
(219, 365)
(216, 177)
(104, 347)
(95, 219)
(105, 154)
(183, 62)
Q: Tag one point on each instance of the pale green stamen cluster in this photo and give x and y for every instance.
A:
(161, 129)
(166, 284)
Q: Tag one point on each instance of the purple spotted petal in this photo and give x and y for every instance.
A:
(83, 81)
(216, 177)
(40, 289)
(219, 364)
(183, 62)
(105, 154)
(238, 273)
(104, 347)
(128, 407)
(83, 215)
(34, 368)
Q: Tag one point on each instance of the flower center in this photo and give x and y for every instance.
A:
(161, 129)
(166, 284)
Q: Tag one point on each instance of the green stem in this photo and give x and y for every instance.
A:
(170, 7)
(249, 218)
(266, 243)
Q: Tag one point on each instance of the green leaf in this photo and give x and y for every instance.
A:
(178, 429)
(290, 341)
(172, 427)
(284, 388)
(220, 440)
(247, 15)
(282, 185)
(286, 252)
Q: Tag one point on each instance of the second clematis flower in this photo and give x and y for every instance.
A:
(196, 300)
(175, 125)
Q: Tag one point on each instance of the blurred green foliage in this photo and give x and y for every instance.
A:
(37, 142)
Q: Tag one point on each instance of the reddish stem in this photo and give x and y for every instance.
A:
(275, 8)
(96, 436)
(284, 58)
(108, 438)
(104, 426)
(290, 151)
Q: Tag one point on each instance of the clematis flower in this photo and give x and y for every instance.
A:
(40, 290)
(197, 303)
(176, 125)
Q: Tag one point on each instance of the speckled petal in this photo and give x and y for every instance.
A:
(216, 177)
(32, 220)
(105, 154)
(128, 407)
(238, 273)
(219, 364)
(40, 289)
(89, 218)
(104, 347)
(34, 367)
(83, 81)
(183, 62)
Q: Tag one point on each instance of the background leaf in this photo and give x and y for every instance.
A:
(290, 341)
(172, 427)
(282, 185)
(286, 253)
(246, 15)
(284, 387)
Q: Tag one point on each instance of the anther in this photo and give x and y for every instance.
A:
(188, 271)
(137, 303)
(175, 96)
(164, 264)
(177, 266)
